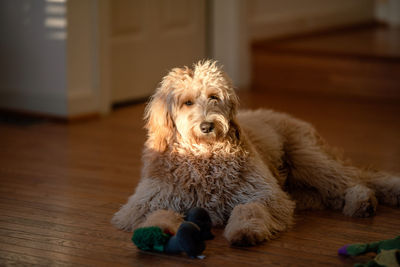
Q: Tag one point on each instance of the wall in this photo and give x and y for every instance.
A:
(33, 56)
(46, 65)
(388, 11)
(229, 39)
(269, 18)
(236, 23)
(83, 93)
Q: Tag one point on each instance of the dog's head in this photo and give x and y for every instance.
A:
(193, 106)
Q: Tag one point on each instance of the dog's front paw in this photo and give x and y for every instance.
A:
(248, 225)
(122, 221)
(245, 236)
(360, 201)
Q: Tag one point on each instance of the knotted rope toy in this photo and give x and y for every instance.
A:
(189, 238)
(388, 252)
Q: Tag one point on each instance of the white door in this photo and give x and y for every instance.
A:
(143, 39)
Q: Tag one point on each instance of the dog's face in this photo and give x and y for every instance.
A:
(193, 106)
(201, 111)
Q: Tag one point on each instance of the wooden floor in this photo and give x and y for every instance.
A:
(61, 183)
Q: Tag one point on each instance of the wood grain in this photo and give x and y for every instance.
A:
(60, 184)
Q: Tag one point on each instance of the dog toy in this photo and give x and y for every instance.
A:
(388, 252)
(189, 238)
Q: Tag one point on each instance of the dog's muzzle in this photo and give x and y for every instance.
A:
(206, 127)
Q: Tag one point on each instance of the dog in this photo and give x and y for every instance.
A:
(248, 169)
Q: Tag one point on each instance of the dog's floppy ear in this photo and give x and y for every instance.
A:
(235, 131)
(158, 121)
(234, 105)
(234, 102)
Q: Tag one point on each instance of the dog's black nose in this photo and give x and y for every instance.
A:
(206, 127)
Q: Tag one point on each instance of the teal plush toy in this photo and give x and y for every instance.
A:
(189, 237)
(150, 238)
(388, 252)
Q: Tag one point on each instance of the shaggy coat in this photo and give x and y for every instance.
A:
(249, 170)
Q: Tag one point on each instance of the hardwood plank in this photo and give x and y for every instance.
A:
(63, 201)
(10, 258)
(59, 227)
(73, 239)
(22, 248)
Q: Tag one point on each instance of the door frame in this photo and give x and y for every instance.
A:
(222, 30)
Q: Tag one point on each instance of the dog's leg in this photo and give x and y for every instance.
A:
(138, 207)
(130, 215)
(306, 198)
(167, 220)
(248, 224)
(340, 185)
(136, 214)
(255, 222)
(264, 209)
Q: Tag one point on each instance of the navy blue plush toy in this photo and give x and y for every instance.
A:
(189, 238)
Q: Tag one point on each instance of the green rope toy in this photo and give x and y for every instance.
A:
(189, 237)
(388, 252)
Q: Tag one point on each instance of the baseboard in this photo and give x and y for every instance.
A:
(77, 106)
(37, 103)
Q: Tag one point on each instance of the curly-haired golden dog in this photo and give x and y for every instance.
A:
(249, 170)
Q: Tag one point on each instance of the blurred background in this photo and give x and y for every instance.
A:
(76, 58)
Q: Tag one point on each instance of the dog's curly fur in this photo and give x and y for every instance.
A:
(249, 170)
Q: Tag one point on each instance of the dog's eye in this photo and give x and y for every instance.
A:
(188, 103)
(214, 97)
